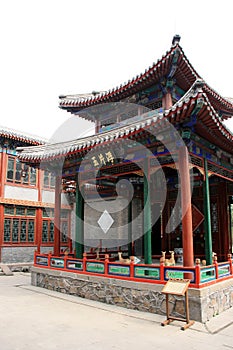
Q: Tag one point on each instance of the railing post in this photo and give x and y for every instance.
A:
(216, 265)
(162, 277)
(49, 259)
(229, 256)
(84, 261)
(198, 271)
(65, 257)
(35, 252)
(131, 268)
(106, 261)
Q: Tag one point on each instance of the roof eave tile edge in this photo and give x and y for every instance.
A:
(118, 90)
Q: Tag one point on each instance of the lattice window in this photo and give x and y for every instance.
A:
(15, 230)
(48, 180)
(20, 211)
(17, 225)
(31, 228)
(48, 231)
(9, 210)
(48, 225)
(51, 231)
(48, 213)
(23, 231)
(31, 211)
(7, 230)
(45, 231)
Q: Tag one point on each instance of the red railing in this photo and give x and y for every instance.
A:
(200, 276)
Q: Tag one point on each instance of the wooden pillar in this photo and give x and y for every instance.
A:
(147, 214)
(2, 195)
(38, 238)
(187, 234)
(130, 236)
(3, 171)
(1, 229)
(57, 215)
(207, 220)
(79, 227)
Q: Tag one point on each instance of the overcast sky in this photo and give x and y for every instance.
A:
(49, 48)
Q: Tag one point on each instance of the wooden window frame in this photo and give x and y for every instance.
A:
(21, 218)
(23, 169)
(51, 181)
(50, 219)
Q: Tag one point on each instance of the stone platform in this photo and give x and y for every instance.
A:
(204, 303)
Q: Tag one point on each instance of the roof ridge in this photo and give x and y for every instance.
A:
(20, 134)
(117, 89)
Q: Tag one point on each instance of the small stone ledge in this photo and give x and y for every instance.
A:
(20, 267)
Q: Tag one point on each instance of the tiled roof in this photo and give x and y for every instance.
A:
(156, 71)
(21, 136)
(185, 76)
(208, 122)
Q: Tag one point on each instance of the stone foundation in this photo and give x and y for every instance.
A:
(16, 254)
(204, 303)
(12, 255)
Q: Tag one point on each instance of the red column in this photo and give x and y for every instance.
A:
(3, 172)
(38, 228)
(39, 211)
(3, 162)
(187, 232)
(57, 211)
(1, 228)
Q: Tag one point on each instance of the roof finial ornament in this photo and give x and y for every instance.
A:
(198, 85)
(176, 39)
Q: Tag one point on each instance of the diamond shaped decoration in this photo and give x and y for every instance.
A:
(105, 221)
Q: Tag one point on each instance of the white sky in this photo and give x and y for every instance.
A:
(58, 47)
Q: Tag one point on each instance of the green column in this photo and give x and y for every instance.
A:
(130, 236)
(79, 226)
(147, 214)
(207, 221)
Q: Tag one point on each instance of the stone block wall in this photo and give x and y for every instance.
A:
(204, 303)
(12, 255)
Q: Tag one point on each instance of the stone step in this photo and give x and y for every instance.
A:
(5, 270)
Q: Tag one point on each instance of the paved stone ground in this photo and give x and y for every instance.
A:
(35, 318)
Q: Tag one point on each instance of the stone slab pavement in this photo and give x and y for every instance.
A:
(36, 318)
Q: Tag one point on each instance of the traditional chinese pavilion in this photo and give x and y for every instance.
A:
(164, 126)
